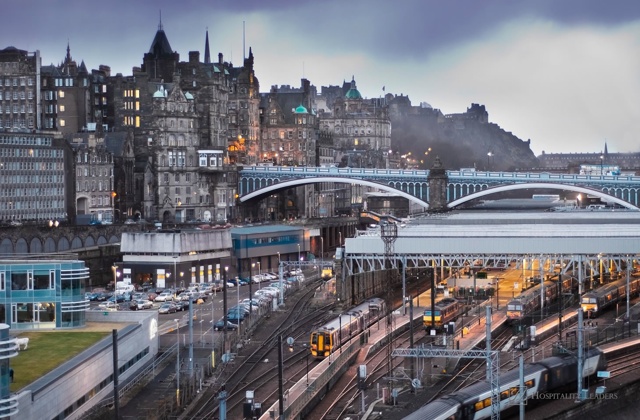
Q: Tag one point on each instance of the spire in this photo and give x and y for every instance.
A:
(68, 57)
(207, 55)
(606, 151)
(160, 24)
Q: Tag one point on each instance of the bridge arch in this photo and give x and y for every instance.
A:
(305, 181)
(542, 185)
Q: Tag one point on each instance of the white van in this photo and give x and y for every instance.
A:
(122, 287)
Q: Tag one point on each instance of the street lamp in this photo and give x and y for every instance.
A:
(322, 248)
(489, 157)
(177, 361)
(299, 259)
(175, 273)
(250, 291)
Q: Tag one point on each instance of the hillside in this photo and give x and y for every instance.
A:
(461, 141)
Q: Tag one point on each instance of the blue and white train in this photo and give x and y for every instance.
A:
(474, 402)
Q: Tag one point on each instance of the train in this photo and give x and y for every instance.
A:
(474, 402)
(445, 310)
(330, 336)
(528, 301)
(596, 301)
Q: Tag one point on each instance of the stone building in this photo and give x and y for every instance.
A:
(19, 89)
(174, 110)
(95, 191)
(358, 124)
(37, 180)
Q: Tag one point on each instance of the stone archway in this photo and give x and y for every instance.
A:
(49, 245)
(82, 205)
(6, 247)
(21, 246)
(63, 244)
(36, 246)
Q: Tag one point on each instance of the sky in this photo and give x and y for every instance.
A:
(564, 74)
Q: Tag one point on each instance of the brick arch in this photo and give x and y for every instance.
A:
(76, 243)
(89, 241)
(102, 240)
(21, 246)
(63, 244)
(35, 247)
(114, 239)
(6, 246)
(49, 245)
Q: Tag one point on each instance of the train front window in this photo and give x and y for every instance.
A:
(427, 313)
(314, 338)
(588, 300)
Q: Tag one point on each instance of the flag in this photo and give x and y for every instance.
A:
(383, 88)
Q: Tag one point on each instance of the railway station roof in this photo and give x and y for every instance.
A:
(472, 233)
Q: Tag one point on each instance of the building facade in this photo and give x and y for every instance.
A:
(19, 89)
(37, 180)
(42, 294)
(95, 192)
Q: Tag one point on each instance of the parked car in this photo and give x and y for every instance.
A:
(236, 317)
(91, 296)
(101, 297)
(219, 325)
(182, 305)
(109, 304)
(164, 296)
(140, 304)
(167, 308)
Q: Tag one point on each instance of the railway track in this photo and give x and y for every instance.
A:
(255, 366)
(343, 397)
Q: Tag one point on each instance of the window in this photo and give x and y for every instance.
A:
(21, 281)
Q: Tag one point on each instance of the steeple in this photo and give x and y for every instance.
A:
(606, 151)
(207, 55)
(248, 62)
(67, 59)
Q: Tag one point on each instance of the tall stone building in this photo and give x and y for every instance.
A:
(179, 116)
(19, 89)
(357, 124)
(95, 191)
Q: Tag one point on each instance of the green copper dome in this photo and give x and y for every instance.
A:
(353, 92)
(301, 110)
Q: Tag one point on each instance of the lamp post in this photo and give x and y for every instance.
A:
(299, 259)
(278, 259)
(250, 291)
(175, 273)
(259, 274)
(177, 361)
(601, 165)
(321, 248)
(340, 240)
(488, 158)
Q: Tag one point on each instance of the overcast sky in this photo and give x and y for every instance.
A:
(565, 74)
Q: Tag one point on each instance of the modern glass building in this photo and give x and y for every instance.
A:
(41, 293)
